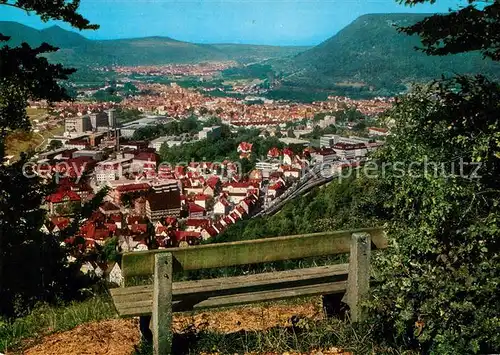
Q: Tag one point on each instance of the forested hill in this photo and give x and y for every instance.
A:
(370, 52)
(77, 50)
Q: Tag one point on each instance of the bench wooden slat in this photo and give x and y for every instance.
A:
(142, 308)
(249, 251)
(226, 283)
(140, 296)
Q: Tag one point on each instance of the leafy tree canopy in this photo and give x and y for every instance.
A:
(54, 10)
(33, 265)
(475, 27)
(438, 282)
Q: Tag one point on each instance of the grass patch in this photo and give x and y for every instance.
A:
(304, 337)
(45, 319)
(20, 141)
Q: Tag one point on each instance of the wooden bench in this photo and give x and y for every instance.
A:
(164, 296)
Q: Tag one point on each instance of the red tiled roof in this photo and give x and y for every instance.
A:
(62, 195)
(133, 187)
(194, 208)
(224, 202)
(111, 227)
(194, 222)
(101, 234)
(273, 152)
(108, 206)
(218, 226)
(139, 228)
(245, 147)
(134, 219)
(146, 156)
(161, 229)
(326, 151)
(241, 210)
(211, 231)
(60, 222)
(170, 221)
(235, 216)
(276, 186)
(115, 218)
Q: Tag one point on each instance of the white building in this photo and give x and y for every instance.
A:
(209, 132)
(169, 140)
(112, 169)
(222, 207)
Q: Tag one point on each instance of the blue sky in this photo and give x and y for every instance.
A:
(277, 22)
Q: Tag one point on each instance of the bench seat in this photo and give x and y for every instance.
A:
(237, 290)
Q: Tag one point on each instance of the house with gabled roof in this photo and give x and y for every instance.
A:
(208, 232)
(219, 227)
(222, 207)
(109, 208)
(287, 156)
(201, 200)
(185, 239)
(240, 211)
(61, 201)
(197, 224)
(59, 223)
(245, 149)
(274, 153)
(196, 211)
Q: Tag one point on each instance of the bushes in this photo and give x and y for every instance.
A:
(438, 283)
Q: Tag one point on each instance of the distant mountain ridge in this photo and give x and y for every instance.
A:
(369, 54)
(75, 49)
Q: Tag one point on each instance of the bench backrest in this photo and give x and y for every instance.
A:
(249, 252)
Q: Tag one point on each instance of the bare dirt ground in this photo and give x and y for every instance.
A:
(120, 336)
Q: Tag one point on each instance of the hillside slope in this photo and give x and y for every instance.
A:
(370, 51)
(77, 50)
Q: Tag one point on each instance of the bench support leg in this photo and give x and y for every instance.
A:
(144, 322)
(358, 282)
(162, 304)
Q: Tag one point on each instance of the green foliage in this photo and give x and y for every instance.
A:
(26, 76)
(125, 115)
(107, 95)
(109, 252)
(33, 266)
(257, 71)
(219, 149)
(470, 28)
(437, 286)
(56, 10)
(86, 76)
(55, 144)
(248, 53)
